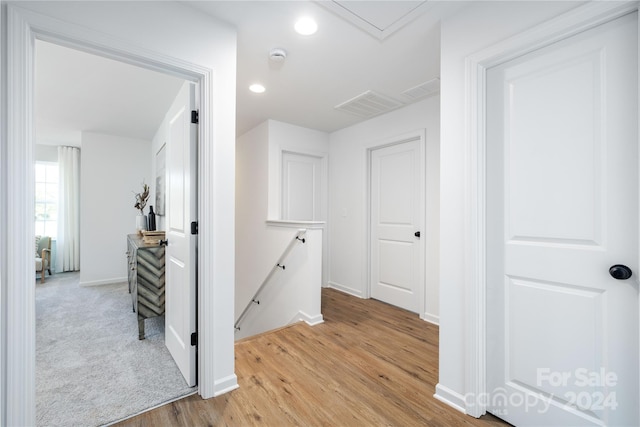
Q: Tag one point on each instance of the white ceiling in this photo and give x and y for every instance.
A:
(382, 46)
(76, 92)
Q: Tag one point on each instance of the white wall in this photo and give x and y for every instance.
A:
(258, 157)
(46, 153)
(469, 31)
(159, 142)
(252, 174)
(348, 197)
(286, 137)
(4, 197)
(113, 170)
(293, 294)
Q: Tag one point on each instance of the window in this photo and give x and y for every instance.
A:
(46, 203)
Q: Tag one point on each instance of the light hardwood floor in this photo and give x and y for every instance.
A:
(369, 364)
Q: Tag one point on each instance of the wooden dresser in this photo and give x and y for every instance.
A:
(145, 264)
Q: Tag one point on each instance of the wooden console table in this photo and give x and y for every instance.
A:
(145, 264)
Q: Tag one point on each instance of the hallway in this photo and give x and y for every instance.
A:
(369, 364)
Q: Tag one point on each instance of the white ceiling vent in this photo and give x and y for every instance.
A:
(369, 104)
(423, 90)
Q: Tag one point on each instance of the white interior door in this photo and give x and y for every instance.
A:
(180, 258)
(301, 187)
(562, 208)
(397, 204)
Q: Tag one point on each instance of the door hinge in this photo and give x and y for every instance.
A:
(195, 117)
(194, 338)
(194, 227)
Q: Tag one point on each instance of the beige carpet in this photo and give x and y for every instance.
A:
(91, 369)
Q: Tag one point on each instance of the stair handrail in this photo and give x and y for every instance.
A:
(299, 237)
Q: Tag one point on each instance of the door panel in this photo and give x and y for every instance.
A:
(562, 207)
(180, 311)
(301, 187)
(396, 269)
(539, 209)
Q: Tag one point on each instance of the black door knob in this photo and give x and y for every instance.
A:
(417, 234)
(620, 272)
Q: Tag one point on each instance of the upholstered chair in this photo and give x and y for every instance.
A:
(43, 256)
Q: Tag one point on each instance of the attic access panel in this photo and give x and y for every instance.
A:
(378, 18)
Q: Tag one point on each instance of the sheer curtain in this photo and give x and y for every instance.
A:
(69, 209)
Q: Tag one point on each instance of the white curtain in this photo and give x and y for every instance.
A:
(68, 245)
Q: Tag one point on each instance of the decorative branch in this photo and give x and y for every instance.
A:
(142, 198)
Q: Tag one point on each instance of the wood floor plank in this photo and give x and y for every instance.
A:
(368, 364)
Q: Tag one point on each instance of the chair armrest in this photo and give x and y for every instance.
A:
(47, 252)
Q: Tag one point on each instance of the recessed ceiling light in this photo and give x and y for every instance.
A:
(257, 88)
(306, 26)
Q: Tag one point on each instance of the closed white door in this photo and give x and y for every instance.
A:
(301, 187)
(562, 208)
(180, 258)
(397, 200)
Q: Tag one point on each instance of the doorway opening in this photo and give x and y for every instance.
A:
(118, 155)
(215, 373)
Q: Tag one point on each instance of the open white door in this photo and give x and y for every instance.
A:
(562, 209)
(180, 286)
(397, 194)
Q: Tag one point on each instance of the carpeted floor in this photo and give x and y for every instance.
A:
(91, 369)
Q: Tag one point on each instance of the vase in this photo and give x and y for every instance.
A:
(152, 219)
(141, 223)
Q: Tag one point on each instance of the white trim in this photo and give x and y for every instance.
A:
(431, 318)
(324, 175)
(24, 26)
(450, 397)
(3, 214)
(421, 136)
(344, 288)
(372, 29)
(301, 316)
(20, 288)
(103, 282)
(225, 385)
(312, 225)
(566, 25)
(209, 329)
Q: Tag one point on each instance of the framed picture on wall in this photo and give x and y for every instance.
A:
(161, 178)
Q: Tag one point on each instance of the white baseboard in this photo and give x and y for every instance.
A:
(450, 397)
(431, 318)
(345, 289)
(225, 385)
(104, 282)
(309, 320)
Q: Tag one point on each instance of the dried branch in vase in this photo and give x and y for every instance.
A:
(142, 198)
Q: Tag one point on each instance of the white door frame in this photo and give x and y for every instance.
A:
(419, 135)
(571, 23)
(24, 27)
